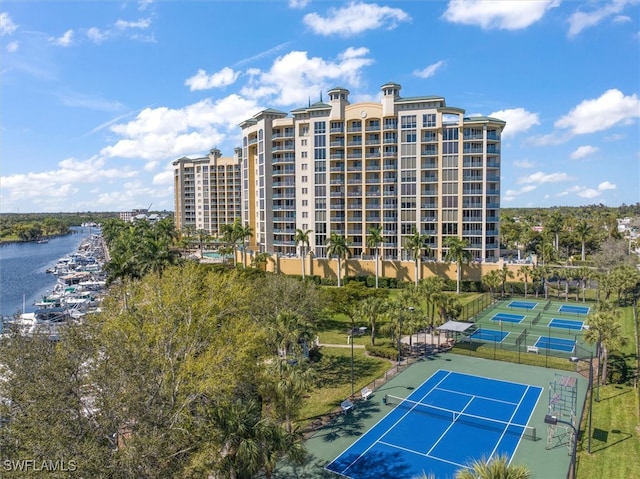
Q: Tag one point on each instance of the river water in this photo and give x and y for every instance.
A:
(23, 266)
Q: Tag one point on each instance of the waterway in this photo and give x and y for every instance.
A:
(23, 269)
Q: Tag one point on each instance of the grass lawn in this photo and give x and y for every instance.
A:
(334, 379)
(615, 436)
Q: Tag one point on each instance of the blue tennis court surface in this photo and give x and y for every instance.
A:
(523, 304)
(573, 309)
(489, 335)
(507, 317)
(558, 344)
(449, 420)
(566, 324)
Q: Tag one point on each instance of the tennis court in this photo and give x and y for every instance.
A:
(449, 420)
(557, 344)
(570, 309)
(566, 324)
(489, 335)
(523, 304)
(508, 318)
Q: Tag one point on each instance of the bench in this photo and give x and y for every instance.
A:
(532, 349)
(346, 406)
(366, 393)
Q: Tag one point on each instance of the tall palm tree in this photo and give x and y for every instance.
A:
(337, 245)
(302, 238)
(242, 233)
(606, 331)
(369, 311)
(415, 244)
(374, 240)
(430, 289)
(260, 260)
(505, 273)
(228, 237)
(583, 231)
(524, 272)
(497, 468)
(554, 226)
(458, 253)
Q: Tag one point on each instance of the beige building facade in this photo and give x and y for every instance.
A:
(207, 192)
(401, 164)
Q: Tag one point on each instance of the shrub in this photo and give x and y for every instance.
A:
(386, 352)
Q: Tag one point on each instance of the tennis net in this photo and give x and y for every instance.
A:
(481, 422)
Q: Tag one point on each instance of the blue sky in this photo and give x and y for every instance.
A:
(98, 98)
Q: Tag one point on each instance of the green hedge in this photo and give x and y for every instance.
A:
(386, 352)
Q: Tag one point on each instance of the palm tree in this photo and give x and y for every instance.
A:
(302, 238)
(554, 226)
(583, 231)
(524, 271)
(374, 240)
(242, 233)
(260, 260)
(369, 310)
(492, 280)
(606, 331)
(430, 289)
(458, 253)
(497, 468)
(228, 237)
(416, 243)
(337, 245)
(505, 273)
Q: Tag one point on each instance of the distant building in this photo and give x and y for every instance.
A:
(207, 192)
(132, 215)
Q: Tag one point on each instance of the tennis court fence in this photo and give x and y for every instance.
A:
(481, 422)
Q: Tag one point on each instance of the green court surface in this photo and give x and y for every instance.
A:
(545, 457)
(540, 328)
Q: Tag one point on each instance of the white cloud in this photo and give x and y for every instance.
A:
(606, 185)
(540, 177)
(298, 3)
(66, 40)
(163, 133)
(504, 15)
(96, 35)
(610, 109)
(7, 27)
(355, 18)
(589, 193)
(581, 20)
(511, 195)
(518, 120)
(12, 47)
(141, 24)
(62, 183)
(202, 81)
(583, 151)
(621, 19)
(294, 77)
(429, 71)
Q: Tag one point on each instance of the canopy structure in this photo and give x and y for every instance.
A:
(455, 326)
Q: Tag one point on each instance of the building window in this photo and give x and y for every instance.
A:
(304, 179)
(305, 191)
(303, 154)
(407, 121)
(305, 202)
(304, 166)
(429, 120)
(305, 214)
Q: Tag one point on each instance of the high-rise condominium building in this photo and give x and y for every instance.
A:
(207, 192)
(404, 165)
